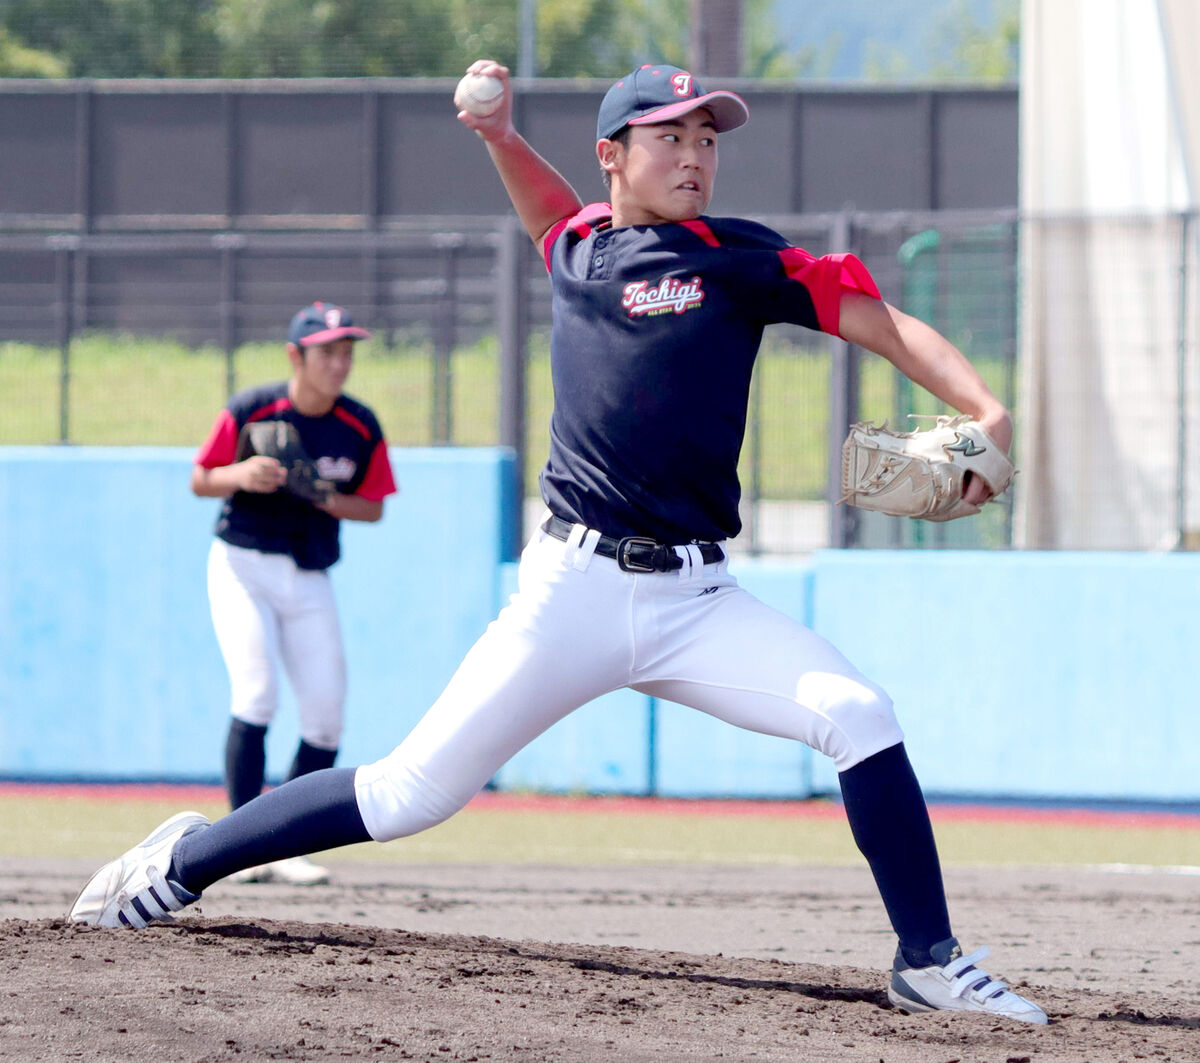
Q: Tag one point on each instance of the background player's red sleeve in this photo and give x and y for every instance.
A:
(826, 278)
(220, 448)
(379, 481)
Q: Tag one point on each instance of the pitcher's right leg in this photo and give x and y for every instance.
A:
(563, 640)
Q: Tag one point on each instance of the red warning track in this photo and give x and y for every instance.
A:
(492, 801)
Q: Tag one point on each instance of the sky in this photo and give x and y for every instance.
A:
(901, 24)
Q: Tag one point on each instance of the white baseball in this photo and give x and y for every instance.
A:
(479, 94)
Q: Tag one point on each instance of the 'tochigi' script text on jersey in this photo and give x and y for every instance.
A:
(667, 296)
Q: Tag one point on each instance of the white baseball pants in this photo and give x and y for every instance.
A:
(268, 612)
(579, 627)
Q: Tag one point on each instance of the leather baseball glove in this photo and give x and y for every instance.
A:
(921, 474)
(280, 440)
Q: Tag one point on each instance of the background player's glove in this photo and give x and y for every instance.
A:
(280, 440)
(921, 474)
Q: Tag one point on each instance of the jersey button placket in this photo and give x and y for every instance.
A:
(599, 256)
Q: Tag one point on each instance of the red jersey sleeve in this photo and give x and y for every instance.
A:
(220, 448)
(379, 481)
(826, 278)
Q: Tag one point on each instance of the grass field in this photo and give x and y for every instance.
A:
(128, 391)
(100, 822)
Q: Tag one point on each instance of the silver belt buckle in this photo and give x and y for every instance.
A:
(625, 563)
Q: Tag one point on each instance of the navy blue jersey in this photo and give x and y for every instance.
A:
(655, 333)
(346, 445)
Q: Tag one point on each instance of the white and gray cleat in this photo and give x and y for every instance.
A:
(133, 891)
(954, 983)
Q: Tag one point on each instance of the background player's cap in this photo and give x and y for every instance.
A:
(323, 323)
(655, 93)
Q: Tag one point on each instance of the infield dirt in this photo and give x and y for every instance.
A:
(630, 963)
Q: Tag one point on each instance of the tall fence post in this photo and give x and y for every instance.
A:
(64, 247)
(512, 318)
(83, 157)
(81, 297)
(843, 407)
(442, 414)
(229, 245)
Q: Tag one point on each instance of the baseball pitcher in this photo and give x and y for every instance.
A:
(659, 310)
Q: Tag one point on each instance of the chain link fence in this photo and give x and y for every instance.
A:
(139, 339)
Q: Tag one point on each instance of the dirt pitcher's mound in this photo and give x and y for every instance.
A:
(216, 989)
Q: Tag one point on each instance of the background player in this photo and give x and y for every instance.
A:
(658, 315)
(268, 585)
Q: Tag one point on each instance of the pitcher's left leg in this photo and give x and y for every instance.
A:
(756, 668)
(735, 658)
(728, 654)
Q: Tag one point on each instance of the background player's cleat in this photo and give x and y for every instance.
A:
(299, 871)
(954, 983)
(257, 873)
(133, 890)
(295, 871)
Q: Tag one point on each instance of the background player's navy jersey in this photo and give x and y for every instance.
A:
(655, 333)
(348, 448)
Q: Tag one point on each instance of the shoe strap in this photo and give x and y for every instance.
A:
(156, 902)
(952, 969)
(965, 976)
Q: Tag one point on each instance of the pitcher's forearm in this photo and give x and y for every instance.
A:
(921, 353)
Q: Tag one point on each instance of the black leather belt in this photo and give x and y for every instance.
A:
(636, 553)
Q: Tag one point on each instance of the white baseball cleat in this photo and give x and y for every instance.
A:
(956, 984)
(295, 871)
(132, 890)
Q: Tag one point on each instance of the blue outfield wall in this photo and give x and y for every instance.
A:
(110, 666)
(1029, 674)
(1037, 675)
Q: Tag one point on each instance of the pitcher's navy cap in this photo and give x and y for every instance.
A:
(323, 323)
(656, 93)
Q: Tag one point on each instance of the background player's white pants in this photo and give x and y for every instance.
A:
(267, 611)
(579, 627)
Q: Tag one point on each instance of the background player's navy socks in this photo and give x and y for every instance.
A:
(245, 762)
(317, 811)
(310, 758)
(891, 826)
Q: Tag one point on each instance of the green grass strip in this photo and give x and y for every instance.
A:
(102, 826)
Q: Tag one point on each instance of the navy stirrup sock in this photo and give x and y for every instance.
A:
(891, 827)
(245, 761)
(310, 758)
(315, 812)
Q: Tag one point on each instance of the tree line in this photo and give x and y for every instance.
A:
(421, 38)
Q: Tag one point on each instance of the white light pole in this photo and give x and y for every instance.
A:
(527, 39)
